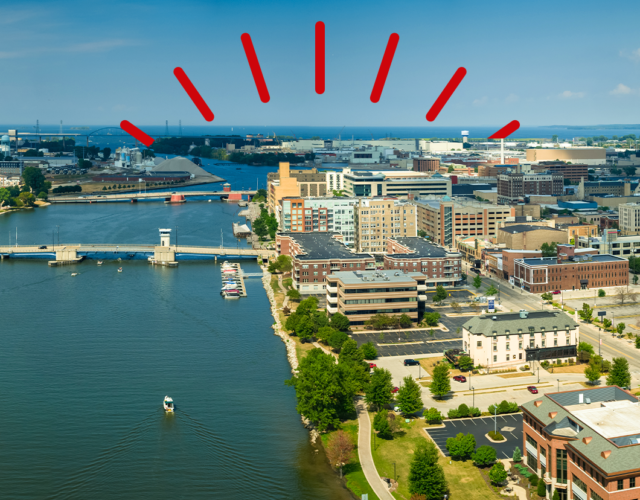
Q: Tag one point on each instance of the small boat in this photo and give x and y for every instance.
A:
(168, 404)
(231, 294)
(99, 262)
(119, 269)
(74, 274)
(119, 259)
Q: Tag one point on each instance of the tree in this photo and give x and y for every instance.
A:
(620, 328)
(549, 250)
(441, 384)
(602, 293)
(337, 339)
(465, 363)
(27, 198)
(293, 294)
(462, 446)
(34, 180)
(410, 396)
(340, 322)
(477, 281)
(379, 391)
(585, 347)
(324, 390)
(381, 424)
(621, 295)
(405, 321)
(369, 351)
(484, 455)
(497, 474)
(260, 228)
(426, 476)
(422, 233)
(619, 374)
(455, 306)
(440, 294)
(638, 342)
(542, 489)
(586, 312)
(431, 319)
(433, 415)
(464, 276)
(350, 352)
(339, 449)
(556, 495)
(517, 454)
(635, 279)
(491, 291)
(592, 371)
(5, 196)
(547, 297)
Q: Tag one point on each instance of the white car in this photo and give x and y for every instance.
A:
(396, 409)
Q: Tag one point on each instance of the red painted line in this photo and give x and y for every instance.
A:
(446, 94)
(252, 58)
(193, 94)
(320, 59)
(506, 131)
(134, 131)
(387, 58)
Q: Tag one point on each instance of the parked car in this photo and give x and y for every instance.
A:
(411, 362)
(532, 389)
(556, 292)
(395, 389)
(373, 365)
(43, 247)
(460, 378)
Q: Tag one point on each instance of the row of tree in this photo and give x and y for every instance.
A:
(266, 224)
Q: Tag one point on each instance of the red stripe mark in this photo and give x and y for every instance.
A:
(387, 58)
(193, 94)
(320, 59)
(506, 131)
(134, 131)
(446, 94)
(252, 58)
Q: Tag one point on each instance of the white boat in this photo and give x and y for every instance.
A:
(74, 274)
(119, 269)
(231, 294)
(99, 262)
(168, 404)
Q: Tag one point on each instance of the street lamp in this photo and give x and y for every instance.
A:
(474, 397)
(558, 385)
(495, 419)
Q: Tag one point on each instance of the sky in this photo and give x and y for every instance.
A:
(542, 63)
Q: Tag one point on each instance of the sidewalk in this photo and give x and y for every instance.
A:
(364, 451)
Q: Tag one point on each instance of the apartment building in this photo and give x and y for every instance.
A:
(335, 180)
(359, 295)
(305, 215)
(379, 218)
(573, 269)
(316, 255)
(515, 186)
(441, 267)
(629, 218)
(509, 340)
(401, 184)
(585, 444)
(446, 219)
(294, 183)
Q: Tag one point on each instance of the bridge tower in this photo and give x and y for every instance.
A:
(165, 237)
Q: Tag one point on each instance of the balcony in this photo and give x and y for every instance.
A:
(422, 288)
(332, 300)
(332, 289)
(422, 298)
(332, 310)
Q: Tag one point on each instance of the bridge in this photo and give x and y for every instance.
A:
(153, 195)
(169, 255)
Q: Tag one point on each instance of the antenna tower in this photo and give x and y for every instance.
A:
(61, 126)
(180, 128)
(166, 127)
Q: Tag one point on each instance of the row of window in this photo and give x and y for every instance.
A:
(349, 312)
(381, 301)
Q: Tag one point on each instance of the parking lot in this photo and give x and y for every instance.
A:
(414, 350)
(510, 426)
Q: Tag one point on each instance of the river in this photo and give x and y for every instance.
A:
(86, 361)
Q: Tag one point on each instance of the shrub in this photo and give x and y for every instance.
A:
(496, 436)
(484, 455)
(542, 488)
(497, 474)
(433, 415)
(517, 454)
(504, 407)
(533, 479)
(453, 413)
(474, 412)
(601, 293)
(463, 410)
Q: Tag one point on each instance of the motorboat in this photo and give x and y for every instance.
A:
(119, 269)
(99, 262)
(168, 404)
(231, 294)
(74, 274)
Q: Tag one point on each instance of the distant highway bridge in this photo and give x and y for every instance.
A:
(152, 195)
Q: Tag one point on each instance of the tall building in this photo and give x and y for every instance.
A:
(584, 444)
(572, 171)
(515, 186)
(426, 164)
(629, 218)
(444, 220)
(318, 214)
(294, 183)
(378, 218)
(335, 180)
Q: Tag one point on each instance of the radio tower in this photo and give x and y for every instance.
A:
(61, 126)
(166, 127)
(37, 126)
(180, 128)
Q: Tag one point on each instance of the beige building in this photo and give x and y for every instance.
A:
(378, 218)
(510, 340)
(445, 219)
(362, 294)
(294, 183)
(629, 218)
(524, 237)
(590, 156)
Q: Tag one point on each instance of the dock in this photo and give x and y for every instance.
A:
(238, 277)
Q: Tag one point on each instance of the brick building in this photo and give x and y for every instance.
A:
(529, 237)
(515, 186)
(440, 266)
(572, 171)
(573, 269)
(584, 444)
(316, 255)
(426, 164)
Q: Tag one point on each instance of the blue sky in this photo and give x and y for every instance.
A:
(543, 63)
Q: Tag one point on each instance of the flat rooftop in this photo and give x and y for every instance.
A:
(523, 228)
(380, 277)
(611, 419)
(552, 261)
(420, 246)
(322, 246)
(510, 323)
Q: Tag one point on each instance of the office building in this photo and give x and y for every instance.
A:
(316, 255)
(611, 243)
(292, 183)
(11, 168)
(426, 164)
(517, 186)
(572, 269)
(359, 295)
(446, 219)
(401, 184)
(305, 215)
(441, 267)
(602, 189)
(509, 340)
(585, 443)
(379, 218)
(572, 171)
(629, 218)
(440, 146)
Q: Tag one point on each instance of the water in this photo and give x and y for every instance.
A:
(85, 362)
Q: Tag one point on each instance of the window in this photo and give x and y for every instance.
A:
(595, 496)
(620, 484)
(495, 347)
(495, 359)
(579, 483)
(561, 466)
(480, 344)
(632, 482)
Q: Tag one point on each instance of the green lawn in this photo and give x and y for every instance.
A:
(353, 475)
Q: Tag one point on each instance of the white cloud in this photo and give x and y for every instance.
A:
(512, 98)
(480, 102)
(634, 55)
(8, 16)
(568, 94)
(88, 47)
(622, 89)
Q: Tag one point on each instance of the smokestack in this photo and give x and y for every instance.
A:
(501, 151)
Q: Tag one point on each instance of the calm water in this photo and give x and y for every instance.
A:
(85, 363)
